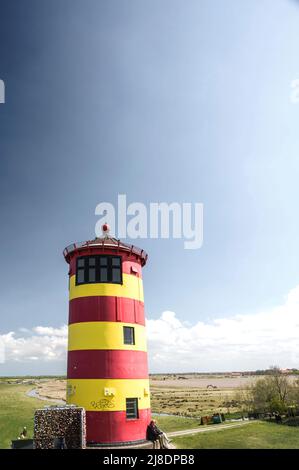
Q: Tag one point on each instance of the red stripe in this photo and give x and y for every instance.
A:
(128, 261)
(103, 364)
(106, 308)
(105, 427)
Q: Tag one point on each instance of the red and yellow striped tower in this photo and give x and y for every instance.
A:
(107, 354)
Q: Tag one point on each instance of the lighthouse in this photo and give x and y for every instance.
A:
(107, 372)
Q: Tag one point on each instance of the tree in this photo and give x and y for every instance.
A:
(273, 392)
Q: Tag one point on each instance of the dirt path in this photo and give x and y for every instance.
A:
(34, 394)
(218, 427)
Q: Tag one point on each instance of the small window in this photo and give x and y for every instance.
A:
(103, 274)
(80, 276)
(103, 261)
(129, 335)
(80, 271)
(115, 269)
(116, 275)
(115, 261)
(132, 408)
(91, 275)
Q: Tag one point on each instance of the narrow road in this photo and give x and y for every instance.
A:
(215, 427)
(34, 394)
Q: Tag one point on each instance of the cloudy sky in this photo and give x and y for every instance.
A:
(161, 101)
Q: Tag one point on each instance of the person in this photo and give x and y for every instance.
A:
(23, 433)
(157, 436)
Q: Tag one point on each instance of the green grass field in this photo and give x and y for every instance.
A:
(175, 423)
(16, 411)
(252, 436)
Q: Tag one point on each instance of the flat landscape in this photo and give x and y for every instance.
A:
(178, 402)
(188, 395)
(197, 395)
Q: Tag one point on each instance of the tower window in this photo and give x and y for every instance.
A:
(80, 270)
(132, 408)
(129, 335)
(92, 269)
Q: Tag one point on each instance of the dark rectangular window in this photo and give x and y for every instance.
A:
(103, 275)
(116, 277)
(91, 269)
(115, 261)
(80, 278)
(103, 261)
(129, 335)
(132, 408)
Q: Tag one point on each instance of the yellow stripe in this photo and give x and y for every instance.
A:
(104, 335)
(131, 287)
(107, 394)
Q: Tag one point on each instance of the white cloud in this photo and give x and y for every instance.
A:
(241, 342)
(49, 331)
(40, 344)
(2, 351)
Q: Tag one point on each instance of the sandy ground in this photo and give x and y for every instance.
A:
(52, 389)
(198, 382)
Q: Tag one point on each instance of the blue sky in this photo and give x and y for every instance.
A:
(161, 101)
